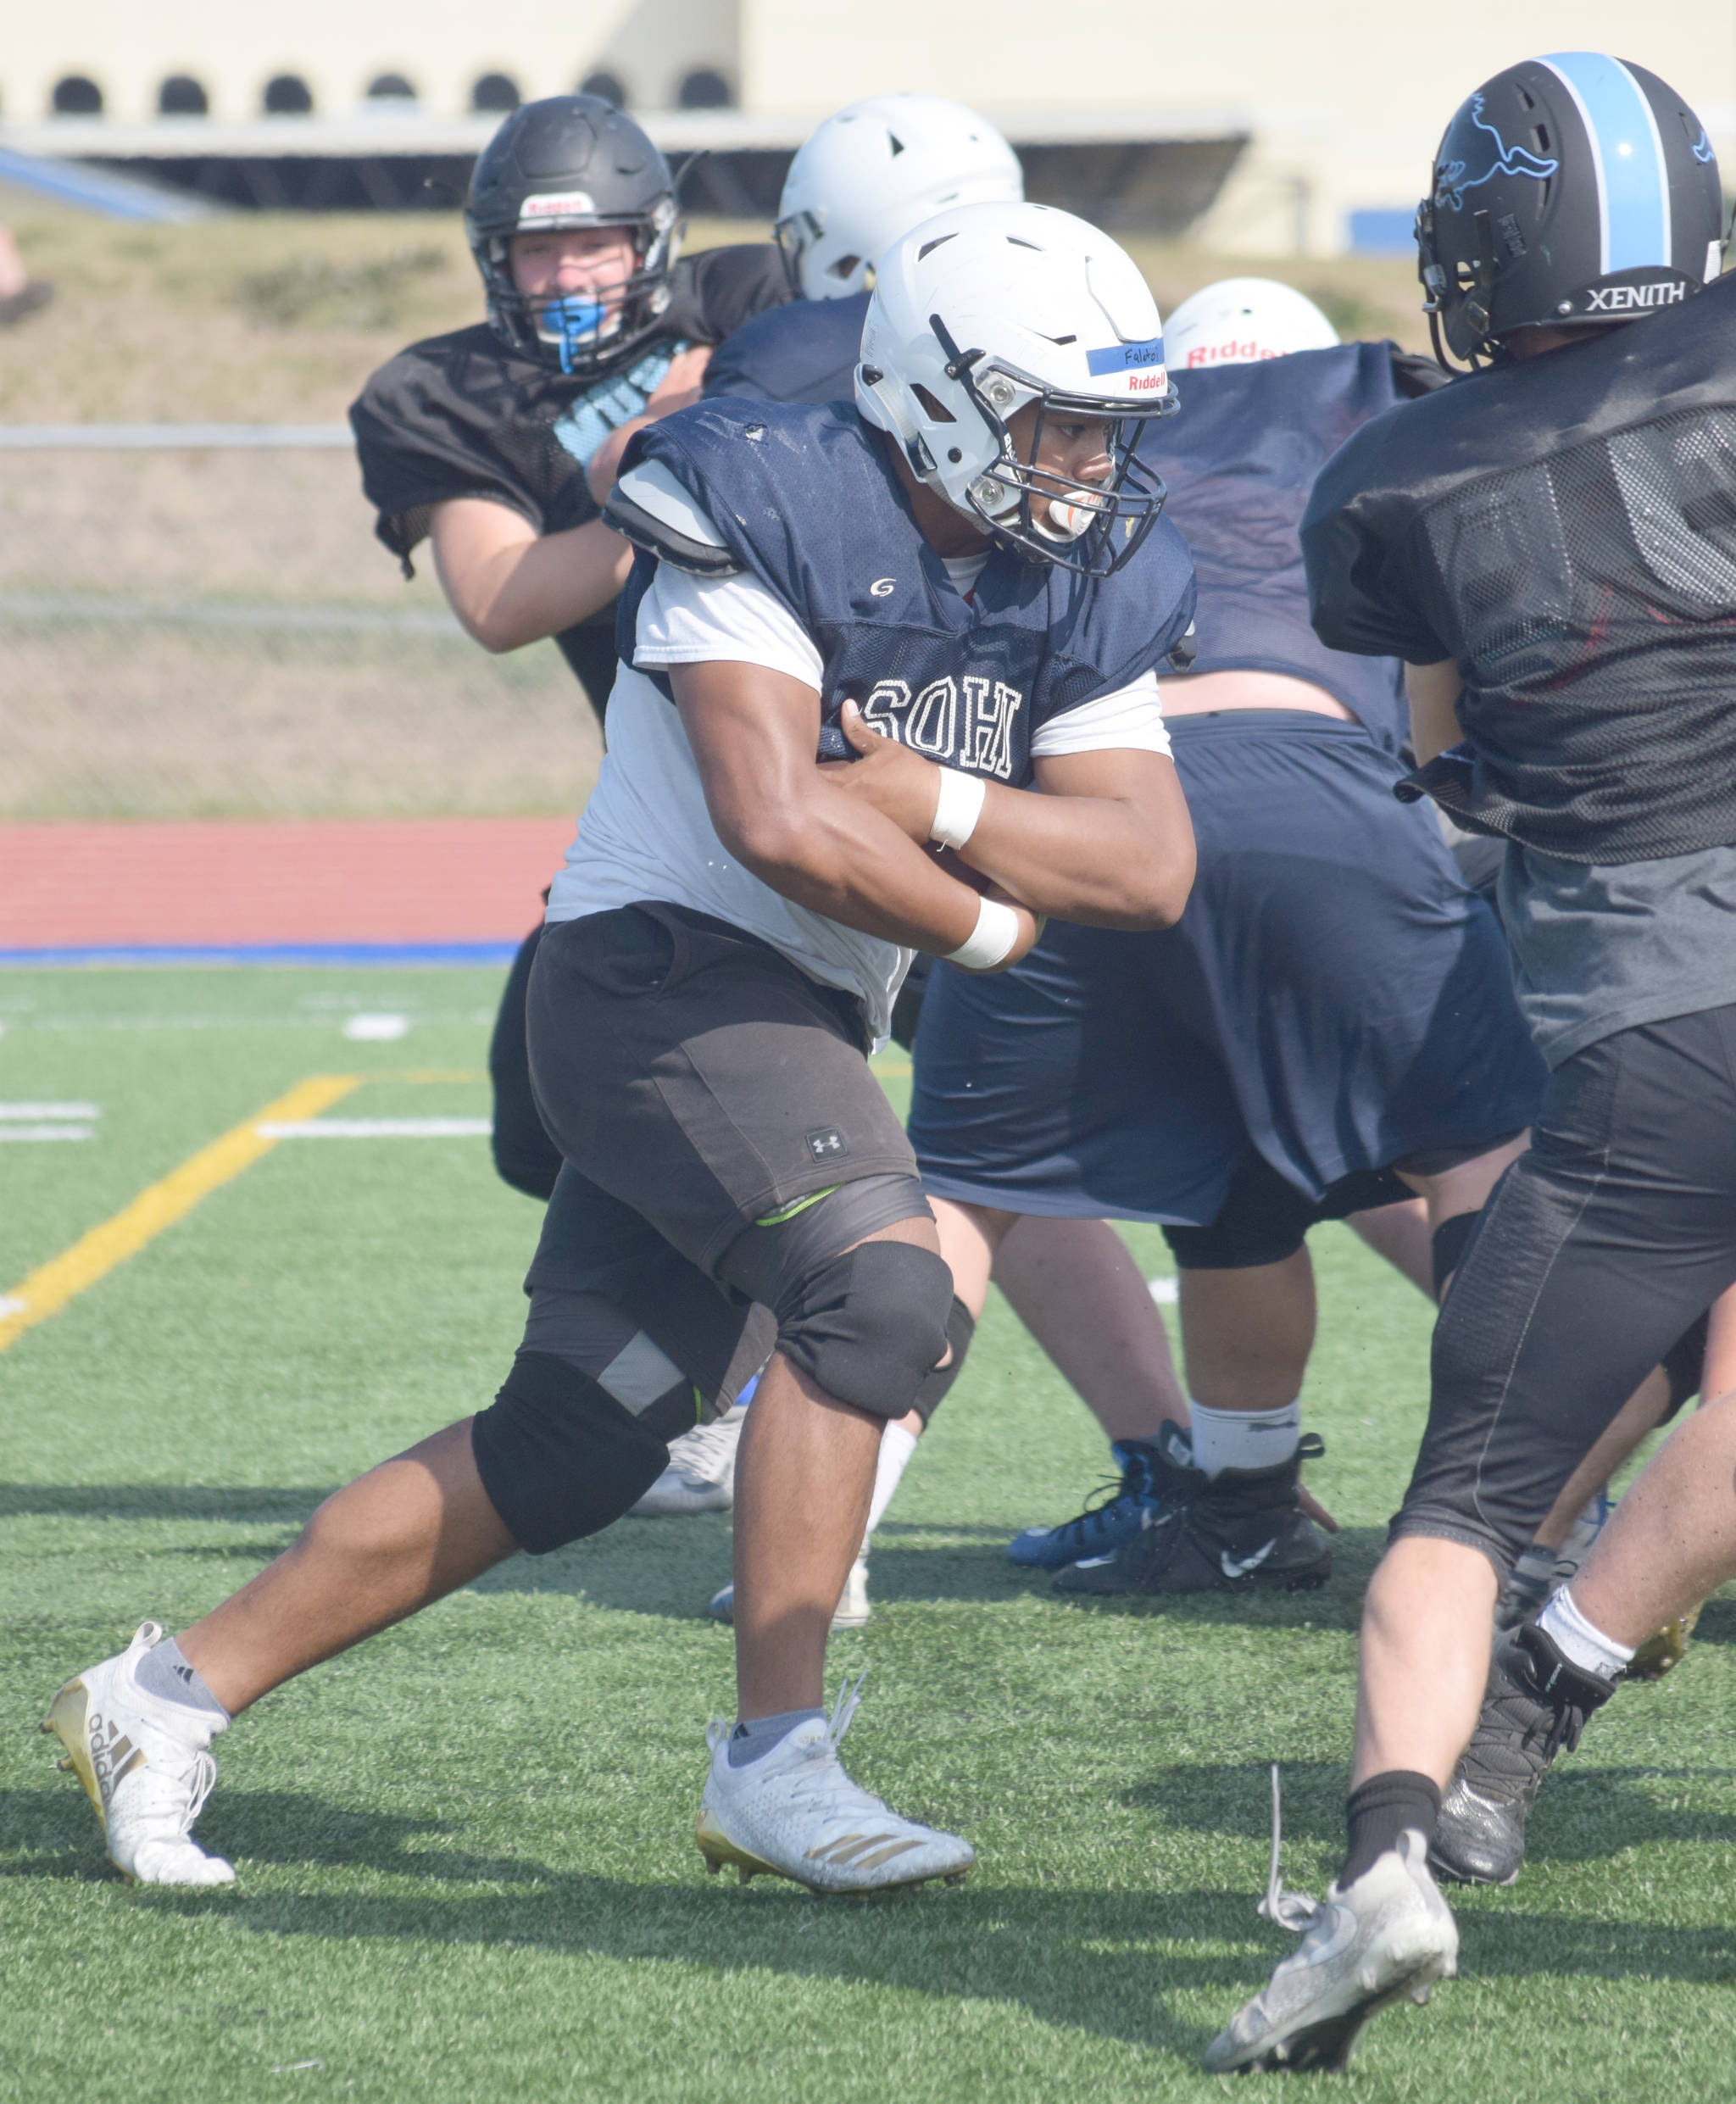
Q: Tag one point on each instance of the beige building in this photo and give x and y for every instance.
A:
(1342, 101)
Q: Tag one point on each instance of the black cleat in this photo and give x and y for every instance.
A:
(1534, 1705)
(1243, 1529)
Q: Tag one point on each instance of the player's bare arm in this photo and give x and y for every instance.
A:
(754, 733)
(509, 585)
(1434, 692)
(1106, 841)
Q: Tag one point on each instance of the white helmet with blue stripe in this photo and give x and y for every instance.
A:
(1569, 191)
(986, 308)
(875, 169)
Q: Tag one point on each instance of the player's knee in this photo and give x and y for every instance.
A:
(870, 1325)
(559, 1457)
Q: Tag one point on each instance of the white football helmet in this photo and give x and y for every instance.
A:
(874, 170)
(986, 307)
(1240, 319)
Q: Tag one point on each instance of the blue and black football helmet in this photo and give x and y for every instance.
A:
(573, 161)
(1569, 191)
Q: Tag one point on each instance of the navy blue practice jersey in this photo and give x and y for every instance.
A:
(1240, 462)
(805, 351)
(807, 500)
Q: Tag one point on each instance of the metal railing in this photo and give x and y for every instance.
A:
(195, 620)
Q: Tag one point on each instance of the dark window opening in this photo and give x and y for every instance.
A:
(702, 89)
(495, 92)
(287, 95)
(181, 96)
(77, 97)
(390, 87)
(607, 86)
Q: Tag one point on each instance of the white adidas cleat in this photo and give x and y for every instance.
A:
(852, 1612)
(146, 1767)
(794, 1813)
(701, 1474)
(1388, 1935)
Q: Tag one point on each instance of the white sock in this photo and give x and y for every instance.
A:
(896, 1444)
(1245, 1438)
(1580, 1642)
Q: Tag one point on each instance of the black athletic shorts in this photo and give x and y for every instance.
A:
(1598, 1252)
(700, 1085)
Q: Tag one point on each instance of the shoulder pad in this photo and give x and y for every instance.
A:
(1414, 374)
(648, 507)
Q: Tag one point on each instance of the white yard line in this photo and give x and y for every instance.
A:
(376, 1128)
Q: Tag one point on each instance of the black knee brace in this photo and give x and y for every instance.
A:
(869, 1325)
(559, 1457)
(960, 1328)
(1682, 1365)
(1447, 1247)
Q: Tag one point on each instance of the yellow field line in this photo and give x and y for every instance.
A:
(160, 1205)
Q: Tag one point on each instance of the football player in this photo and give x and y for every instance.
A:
(855, 637)
(860, 181)
(499, 441)
(1331, 1024)
(1548, 544)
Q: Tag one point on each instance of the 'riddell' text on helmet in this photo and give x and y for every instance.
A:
(1569, 191)
(875, 169)
(1239, 321)
(567, 162)
(988, 308)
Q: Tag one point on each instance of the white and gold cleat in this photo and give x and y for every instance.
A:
(146, 1766)
(794, 1813)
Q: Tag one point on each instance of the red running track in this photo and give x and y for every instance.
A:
(230, 883)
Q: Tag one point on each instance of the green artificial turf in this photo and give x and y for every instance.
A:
(465, 1856)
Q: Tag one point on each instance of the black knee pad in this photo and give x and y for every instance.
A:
(1446, 1247)
(869, 1325)
(1263, 1219)
(1683, 1363)
(559, 1457)
(960, 1328)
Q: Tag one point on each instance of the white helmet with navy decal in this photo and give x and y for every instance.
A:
(875, 169)
(986, 308)
(1241, 320)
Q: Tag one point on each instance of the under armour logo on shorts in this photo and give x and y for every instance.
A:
(826, 1143)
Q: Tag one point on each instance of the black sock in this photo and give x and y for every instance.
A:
(1378, 1811)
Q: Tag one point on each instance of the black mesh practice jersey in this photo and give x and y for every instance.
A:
(463, 414)
(1564, 529)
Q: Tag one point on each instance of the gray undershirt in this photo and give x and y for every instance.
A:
(1606, 946)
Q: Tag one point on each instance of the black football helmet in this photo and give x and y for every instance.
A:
(1569, 191)
(571, 161)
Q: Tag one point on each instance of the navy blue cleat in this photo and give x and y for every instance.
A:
(1153, 1472)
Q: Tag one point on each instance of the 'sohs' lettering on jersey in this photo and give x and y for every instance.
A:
(971, 728)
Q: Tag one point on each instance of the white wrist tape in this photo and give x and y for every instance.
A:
(959, 807)
(996, 930)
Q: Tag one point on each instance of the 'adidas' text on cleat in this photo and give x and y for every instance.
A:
(145, 1765)
(1153, 1470)
(1534, 1705)
(1388, 1935)
(701, 1474)
(794, 1813)
(1243, 1529)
